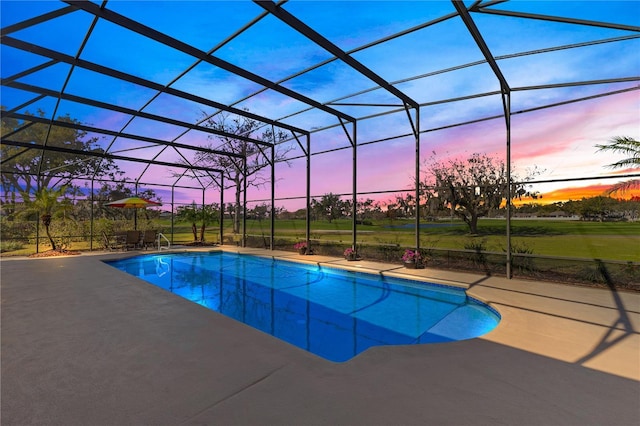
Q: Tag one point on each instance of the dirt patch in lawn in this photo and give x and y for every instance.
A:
(57, 252)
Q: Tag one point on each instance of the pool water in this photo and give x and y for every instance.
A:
(332, 313)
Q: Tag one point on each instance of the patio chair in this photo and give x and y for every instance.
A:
(149, 238)
(112, 243)
(133, 240)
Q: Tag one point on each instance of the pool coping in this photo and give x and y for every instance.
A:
(82, 344)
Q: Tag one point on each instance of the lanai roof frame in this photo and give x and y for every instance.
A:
(464, 10)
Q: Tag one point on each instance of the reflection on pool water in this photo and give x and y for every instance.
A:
(329, 312)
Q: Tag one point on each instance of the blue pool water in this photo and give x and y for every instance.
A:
(332, 313)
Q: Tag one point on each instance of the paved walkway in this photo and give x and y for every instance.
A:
(84, 344)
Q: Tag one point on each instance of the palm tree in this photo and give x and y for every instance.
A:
(627, 146)
(46, 202)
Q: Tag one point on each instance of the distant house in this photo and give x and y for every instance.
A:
(558, 213)
(524, 215)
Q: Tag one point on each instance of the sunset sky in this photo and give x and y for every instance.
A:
(559, 141)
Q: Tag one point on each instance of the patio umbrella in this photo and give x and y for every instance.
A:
(133, 203)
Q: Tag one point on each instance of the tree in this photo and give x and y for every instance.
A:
(189, 214)
(260, 212)
(597, 208)
(208, 214)
(329, 207)
(234, 127)
(45, 202)
(571, 207)
(57, 168)
(406, 205)
(367, 208)
(193, 213)
(627, 146)
(472, 187)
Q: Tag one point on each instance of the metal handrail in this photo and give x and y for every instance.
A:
(161, 235)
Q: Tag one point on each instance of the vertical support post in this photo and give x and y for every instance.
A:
(506, 93)
(221, 208)
(203, 217)
(506, 100)
(354, 189)
(91, 216)
(416, 132)
(38, 229)
(273, 194)
(135, 211)
(308, 213)
(172, 211)
(354, 176)
(244, 201)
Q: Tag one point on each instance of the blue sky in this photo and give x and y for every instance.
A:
(558, 140)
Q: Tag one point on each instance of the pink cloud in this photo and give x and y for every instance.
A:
(574, 130)
(561, 140)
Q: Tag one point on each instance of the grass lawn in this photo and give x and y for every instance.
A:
(563, 238)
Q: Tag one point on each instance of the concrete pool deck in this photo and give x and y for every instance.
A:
(85, 344)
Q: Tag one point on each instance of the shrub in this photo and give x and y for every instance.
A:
(478, 247)
(10, 245)
(16, 229)
(522, 263)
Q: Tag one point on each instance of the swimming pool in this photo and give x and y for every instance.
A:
(332, 313)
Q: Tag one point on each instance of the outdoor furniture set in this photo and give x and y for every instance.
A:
(129, 240)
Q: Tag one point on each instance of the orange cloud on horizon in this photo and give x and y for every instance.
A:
(578, 193)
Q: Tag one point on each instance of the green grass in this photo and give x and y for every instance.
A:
(563, 238)
(609, 247)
